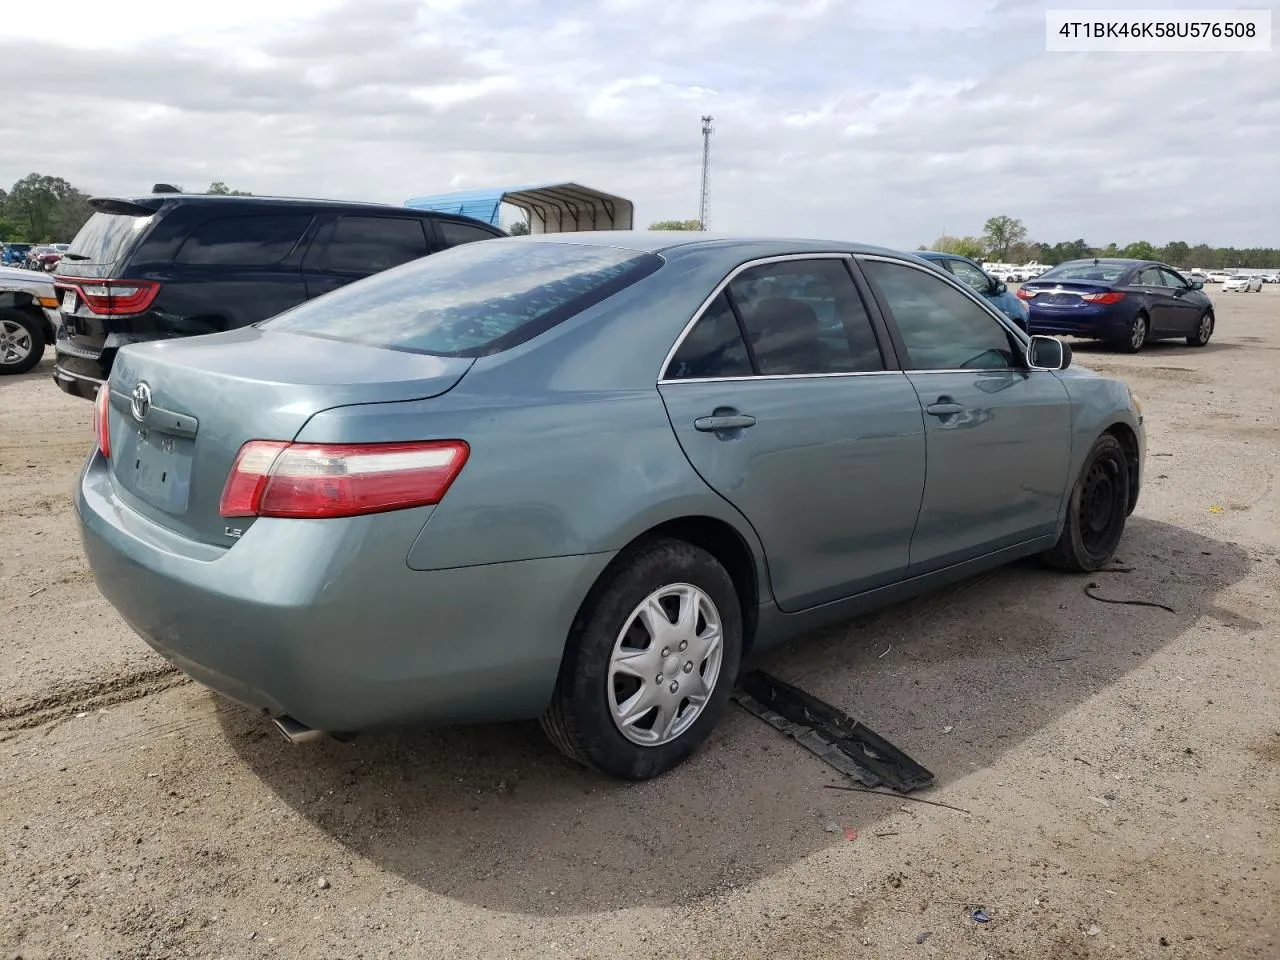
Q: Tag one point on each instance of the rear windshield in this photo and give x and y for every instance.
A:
(1106, 272)
(106, 238)
(472, 300)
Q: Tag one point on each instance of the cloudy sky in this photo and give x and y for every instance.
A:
(872, 120)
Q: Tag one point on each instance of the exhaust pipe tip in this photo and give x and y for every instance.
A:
(296, 732)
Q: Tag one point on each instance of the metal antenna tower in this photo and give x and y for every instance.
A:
(707, 130)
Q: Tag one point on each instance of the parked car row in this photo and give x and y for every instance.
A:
(32, 257)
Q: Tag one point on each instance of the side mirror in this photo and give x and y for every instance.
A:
(1197, 285)
(1048, 353)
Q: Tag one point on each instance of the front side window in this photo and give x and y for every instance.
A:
(366, 245)
(942, 328)
(1171, 278)
(969, 274)
(472, 300)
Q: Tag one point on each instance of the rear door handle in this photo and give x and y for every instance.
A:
(737, 421)
(943, 408)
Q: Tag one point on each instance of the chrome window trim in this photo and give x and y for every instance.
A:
(783, 376)
(1000, 318)
(719, 289)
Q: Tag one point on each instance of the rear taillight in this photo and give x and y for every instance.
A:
(1025, 294)
(112, 297)
(1103, 298)
(101, 427)
(318, 480)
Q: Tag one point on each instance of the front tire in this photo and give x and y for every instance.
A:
(1096, 511)
(651, 661)
(21, 342)
(1139, 330)
(1204, 330)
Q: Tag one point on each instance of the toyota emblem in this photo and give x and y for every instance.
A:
(141, 402)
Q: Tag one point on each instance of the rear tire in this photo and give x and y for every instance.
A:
(1096, 511)
(1139, 330)
(615, 676)
(1204, 330)
(21, 342)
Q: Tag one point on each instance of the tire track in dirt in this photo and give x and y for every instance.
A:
(65, 702)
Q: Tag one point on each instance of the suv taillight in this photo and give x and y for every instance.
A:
(318, 480)
(112, 297)
(101, 427)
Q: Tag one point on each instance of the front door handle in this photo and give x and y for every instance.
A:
(714, 424)
(944, 407)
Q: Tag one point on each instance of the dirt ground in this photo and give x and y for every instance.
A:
(1119, 764)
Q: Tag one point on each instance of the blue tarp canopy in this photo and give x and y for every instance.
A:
(551, 208)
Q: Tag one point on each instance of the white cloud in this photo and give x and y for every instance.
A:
(859, 119)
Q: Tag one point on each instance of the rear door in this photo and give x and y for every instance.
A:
(356, 245)
(782, 399)
(998, 434)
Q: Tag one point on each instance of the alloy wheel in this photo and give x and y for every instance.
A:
(15, 343)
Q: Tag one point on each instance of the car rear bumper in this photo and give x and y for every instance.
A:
(324, 621)
(1094, 322)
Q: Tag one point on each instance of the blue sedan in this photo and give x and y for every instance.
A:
(995, 291)
(1128, 303)
(580, 476)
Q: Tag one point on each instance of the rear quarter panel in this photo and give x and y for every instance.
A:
(572, 451)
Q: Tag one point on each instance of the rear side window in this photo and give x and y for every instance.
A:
(367, 245)
(250, 241)
(713, 348)
(107, 238)
(472, 300)
(453, 233)
(805, 317)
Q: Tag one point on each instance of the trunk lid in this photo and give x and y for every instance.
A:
(198, 400)
(1049, 293)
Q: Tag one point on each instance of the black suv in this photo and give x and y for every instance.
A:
(179, 265)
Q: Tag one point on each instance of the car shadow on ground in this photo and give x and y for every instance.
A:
(493, 816)
(41, 371)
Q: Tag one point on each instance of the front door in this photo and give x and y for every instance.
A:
(781, 398)
(1184, 314)
(998, 434)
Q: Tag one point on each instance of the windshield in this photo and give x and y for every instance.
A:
(1104, 272)
(471, 300)
(106, 238)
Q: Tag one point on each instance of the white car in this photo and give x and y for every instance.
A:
(1218, 276)
(1242, 284)
(28, 318)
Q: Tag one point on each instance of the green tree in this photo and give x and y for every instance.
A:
(970, 247)
(1140, 250)
(519, 229)
(1175, 253)
(45, 207)
(220, 189)
(676, 225)
(1000, 233)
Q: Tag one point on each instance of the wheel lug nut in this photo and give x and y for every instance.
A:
(684, 644)
(666, 651)
(688, 667)
(674, 686)
(661, 678)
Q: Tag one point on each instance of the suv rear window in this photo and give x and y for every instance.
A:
(107, 237)
(248, 241)
(472, 300)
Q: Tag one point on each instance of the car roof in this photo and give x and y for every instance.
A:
(156, 200)
(659, 241)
